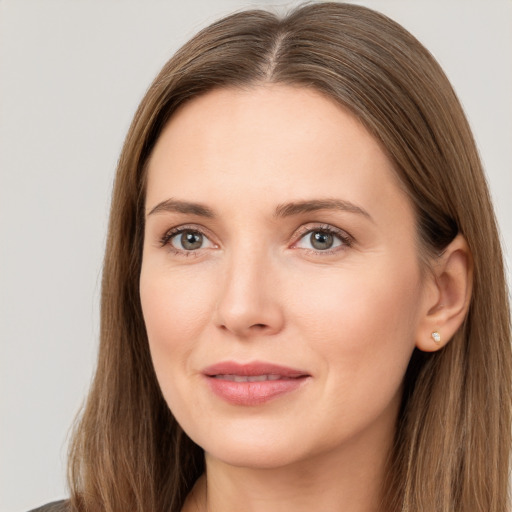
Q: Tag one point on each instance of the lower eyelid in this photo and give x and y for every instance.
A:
(342, 245)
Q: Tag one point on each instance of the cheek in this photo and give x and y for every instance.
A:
(176, 307)
(174, 301)
(363, 325)
(375, 300)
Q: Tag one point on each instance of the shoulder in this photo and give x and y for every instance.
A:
(55, 506)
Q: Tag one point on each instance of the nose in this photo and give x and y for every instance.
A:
(249, 302)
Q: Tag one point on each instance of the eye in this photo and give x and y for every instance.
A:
(186, 240)
(324, 239)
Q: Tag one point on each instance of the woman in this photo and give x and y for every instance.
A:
(304, 304)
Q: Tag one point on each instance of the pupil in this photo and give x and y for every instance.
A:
(191, 241)
(321, 240)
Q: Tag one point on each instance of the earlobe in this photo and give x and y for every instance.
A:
(446, 306)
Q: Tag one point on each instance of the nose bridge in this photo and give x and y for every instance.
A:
(249, 300)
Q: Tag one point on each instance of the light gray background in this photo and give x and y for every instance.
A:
(71, 76)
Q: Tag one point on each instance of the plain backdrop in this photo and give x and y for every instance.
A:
(71, 75)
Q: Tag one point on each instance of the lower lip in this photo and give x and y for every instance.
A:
(253, 393)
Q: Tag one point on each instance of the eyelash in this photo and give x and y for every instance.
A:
(346, 239)
(165, 241)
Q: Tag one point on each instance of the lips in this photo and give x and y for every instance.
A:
(253, 383)
(250, 378)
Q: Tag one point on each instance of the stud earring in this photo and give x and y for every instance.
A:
(436, 337)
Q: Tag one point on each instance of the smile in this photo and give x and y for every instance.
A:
(252, 378)
(253, 383)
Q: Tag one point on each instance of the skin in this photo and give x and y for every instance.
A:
(257, 290)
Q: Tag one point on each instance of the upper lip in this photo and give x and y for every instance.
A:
(252, 369)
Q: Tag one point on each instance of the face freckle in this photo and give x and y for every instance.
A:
(302, 254)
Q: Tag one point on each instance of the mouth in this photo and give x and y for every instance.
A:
(261, 370)
(253, 383)
(252, 378)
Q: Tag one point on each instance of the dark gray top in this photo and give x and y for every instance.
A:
(55, 506)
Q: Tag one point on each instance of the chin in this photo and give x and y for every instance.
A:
(258, 446)
(246, 444)
(255, 457)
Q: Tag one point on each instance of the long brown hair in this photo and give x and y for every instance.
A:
(452, 443)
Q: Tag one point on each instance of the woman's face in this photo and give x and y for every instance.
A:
(280, 284)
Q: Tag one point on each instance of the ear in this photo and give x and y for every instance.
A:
(447, 297)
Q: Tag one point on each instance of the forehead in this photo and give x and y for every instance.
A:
(268, 143)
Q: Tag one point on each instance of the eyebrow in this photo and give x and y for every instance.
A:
(281, 211)
(173, 205)
(314, 205)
